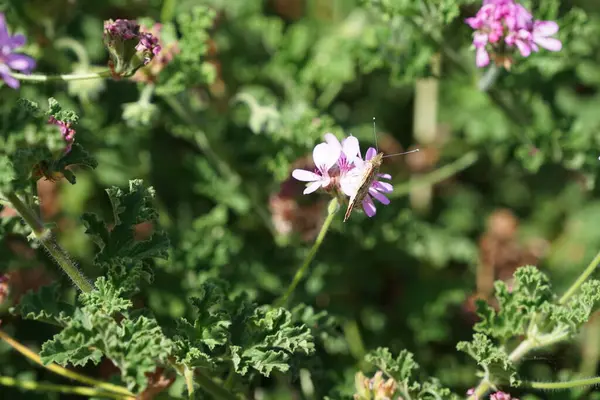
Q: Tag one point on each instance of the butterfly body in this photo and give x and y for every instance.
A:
(370, 171)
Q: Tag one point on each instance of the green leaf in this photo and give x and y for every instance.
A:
(45, 305)
(134, 344)
(401, 368)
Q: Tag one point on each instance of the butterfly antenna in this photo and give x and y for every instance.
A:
(399, 154)
(375, 134)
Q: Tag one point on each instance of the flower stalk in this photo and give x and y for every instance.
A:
(331, 211)
(65, 389)
(44, 235)
(41, 78)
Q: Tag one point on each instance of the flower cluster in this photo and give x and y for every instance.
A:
(67, 132)
(339, 168)
(8, 59)
(502, 25)
(129, 48)
(167, 52)
(495, 396)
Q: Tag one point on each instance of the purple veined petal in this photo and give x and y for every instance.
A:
(379, 196)
(384, 176)
(305, 176)
(482, 58)
(351, 148)
(524, 48)
(383, 186)
(20, 62)
(325, 156)
(371, 152)
(332, 140)
(18, 40)
(312, 187)
(369, 206)
(548, 43)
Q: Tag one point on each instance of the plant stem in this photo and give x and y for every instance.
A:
(39, 78)
(188, 374)
(57, 369)
(211, 387)
(582, 278)
(49, 387)
(563, 385)
(45, 237)
(331, 209)
(438, 175)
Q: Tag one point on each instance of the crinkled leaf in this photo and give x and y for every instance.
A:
(400, 368)
(570, 316)
(45, 305)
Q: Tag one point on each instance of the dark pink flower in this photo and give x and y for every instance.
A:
(10, 60)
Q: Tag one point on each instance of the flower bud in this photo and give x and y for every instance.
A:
(128, 48)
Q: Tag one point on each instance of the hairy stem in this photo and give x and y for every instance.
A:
(40, 78)
(57, 369)
(582, 278)
(66, 389)
(331, 209)
(44, 235)
(563, 385)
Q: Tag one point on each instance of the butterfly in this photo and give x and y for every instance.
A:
(369, 172)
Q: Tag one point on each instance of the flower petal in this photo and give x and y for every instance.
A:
(349, 183)
(545, 28)
(305, 176)
(482, 58)
(312, 187)
(351, 148)
(9, 80)
(379, 196)
(524, 48)
(383, 186)
(18, 40)
(369, 206)
(551, 44)
(384, 176)
(20, 62)
(371, 152)
(325, 156)
(332, 140)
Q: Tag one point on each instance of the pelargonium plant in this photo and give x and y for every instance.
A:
(501, 26)
(203, 296)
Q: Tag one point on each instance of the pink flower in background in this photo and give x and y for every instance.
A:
(502, 396)
(502, 25)
(10, 60)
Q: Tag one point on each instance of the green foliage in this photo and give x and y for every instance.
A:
(46, 306)
(263, 339)
(135, 344)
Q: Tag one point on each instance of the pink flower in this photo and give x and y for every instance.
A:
(9, 60)
(340, 169)
(325, 157)
(502, 25)
(502, 396)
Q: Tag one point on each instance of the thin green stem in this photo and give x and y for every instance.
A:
(582, 278)
(438, 175)
(563, 385)
(211, 387)
(57, 369)
(331, 209)
(66, 389)
(39, 78)
(44, 235)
